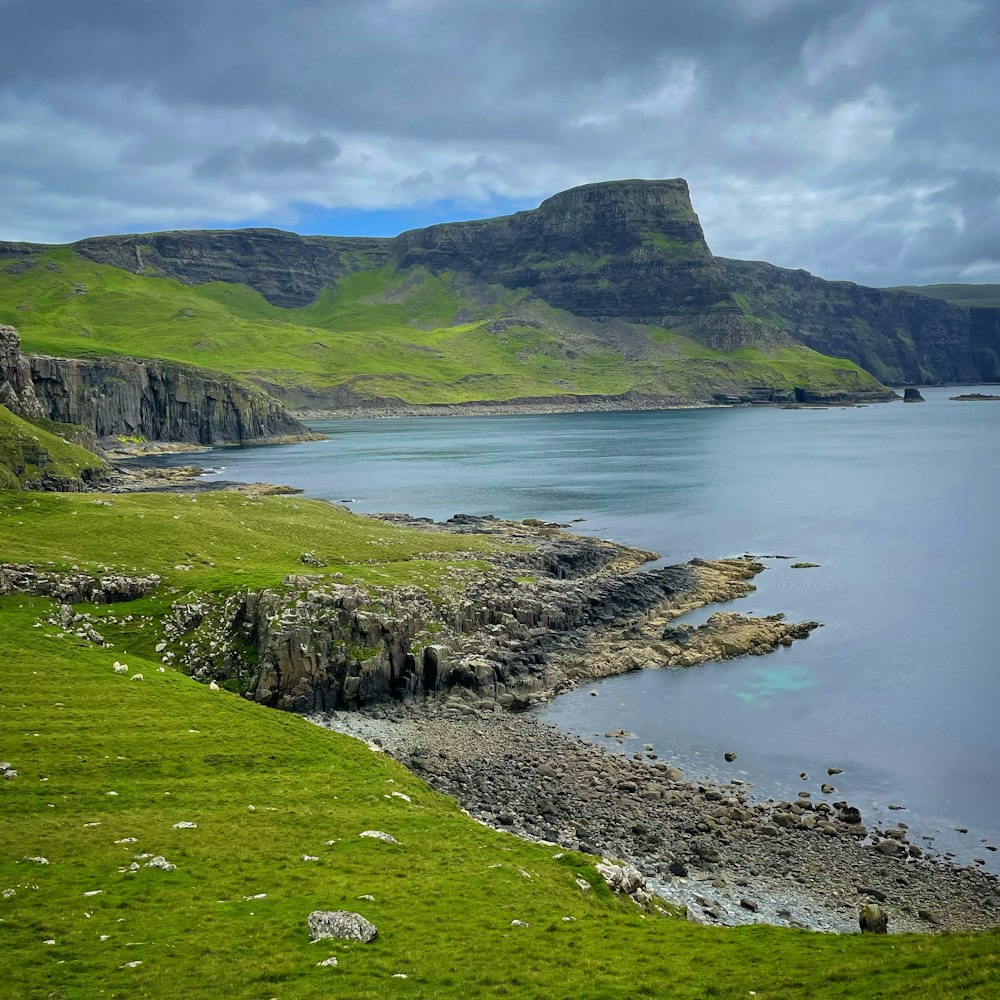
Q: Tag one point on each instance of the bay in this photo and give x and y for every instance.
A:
(897, 503)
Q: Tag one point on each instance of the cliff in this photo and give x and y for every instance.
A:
(161, 402)
(606, 295)
(116, 397)
(898, 336)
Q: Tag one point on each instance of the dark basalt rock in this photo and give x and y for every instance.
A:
(911, 395)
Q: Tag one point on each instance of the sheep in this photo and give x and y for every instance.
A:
(213, 686)
(136, 677)
(120, 668)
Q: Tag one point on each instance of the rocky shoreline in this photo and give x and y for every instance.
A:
(707, 847)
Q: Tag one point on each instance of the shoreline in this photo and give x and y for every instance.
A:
(730, 860)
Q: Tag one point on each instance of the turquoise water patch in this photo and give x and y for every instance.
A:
(764, 682)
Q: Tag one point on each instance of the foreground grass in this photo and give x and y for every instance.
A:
(408, 335)
(443, 898)
(101, 759)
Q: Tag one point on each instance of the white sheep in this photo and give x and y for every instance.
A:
(213, 686)
(136, 677)
(120, 668)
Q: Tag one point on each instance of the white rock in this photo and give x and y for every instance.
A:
(38, 860)
(583, 884)
(185, 825)
(94, 892)
(160, 647)
(569, 920)
(112, 793)
(400, 975)
(161, 863)
(402, 795)
(251, 809)
(368, 897)
(309, 857)
(519, 923)
(49, 941)
(379, 835)
(331, 961)
(131, 965)
(128, 840)
(341, 924)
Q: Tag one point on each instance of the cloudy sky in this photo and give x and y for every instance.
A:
(859, 140)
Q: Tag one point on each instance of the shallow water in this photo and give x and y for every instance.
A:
(897, 503)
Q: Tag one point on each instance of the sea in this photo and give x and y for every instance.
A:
(898, 505)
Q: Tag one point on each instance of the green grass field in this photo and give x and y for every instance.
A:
(102, 759)
(412, 335)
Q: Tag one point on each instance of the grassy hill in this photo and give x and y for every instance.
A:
(973, 296)
(37, 455)
(102, 759)
(387, 333)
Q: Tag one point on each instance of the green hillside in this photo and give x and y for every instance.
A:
(107, 766)
(35, 455)
(386, 333)
(973, 296)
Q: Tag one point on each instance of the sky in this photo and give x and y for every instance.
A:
(857, 140)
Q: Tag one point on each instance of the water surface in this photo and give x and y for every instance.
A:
(897, 503)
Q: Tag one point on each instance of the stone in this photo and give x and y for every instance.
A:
(912, 395)
(185, 825)
(729, 756)
(519, 923)
(329, 962)
(387, 838)
(342, 925)
(872, 919)
(160, 862)
(749, 904)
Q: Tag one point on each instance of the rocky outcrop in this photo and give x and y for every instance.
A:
(17, 391)
(75, 588)
(897, 336)
(157, 400)
(911, 395)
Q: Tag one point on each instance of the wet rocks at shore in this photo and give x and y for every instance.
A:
(705, 846)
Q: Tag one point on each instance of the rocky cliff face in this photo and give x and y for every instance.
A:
(113, 397)
(161, 402)
(899, 337)
(287, 269)
(631, 250)
(17, 392)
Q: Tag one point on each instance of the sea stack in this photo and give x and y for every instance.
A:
(912, 395)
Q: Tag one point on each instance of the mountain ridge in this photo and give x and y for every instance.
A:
(605, 290)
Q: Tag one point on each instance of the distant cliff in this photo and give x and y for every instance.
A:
(898, 336)
(606, 295)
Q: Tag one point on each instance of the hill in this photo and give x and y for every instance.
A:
(608, 290)
(36, 456)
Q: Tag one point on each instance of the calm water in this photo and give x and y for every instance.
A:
(897, 503)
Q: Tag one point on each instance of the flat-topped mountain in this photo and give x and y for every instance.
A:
(605, 295)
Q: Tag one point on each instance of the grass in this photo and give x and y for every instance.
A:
(444, 897)
(381, 333)
(31, 454)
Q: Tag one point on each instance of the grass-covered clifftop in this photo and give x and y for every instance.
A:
(391, 333)
(35, 455)
(107, 766)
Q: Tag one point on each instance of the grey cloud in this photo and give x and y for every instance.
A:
(848, 137)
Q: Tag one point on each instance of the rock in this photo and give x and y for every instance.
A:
(929, 916)
(748, 904)
(729, 756)
(519, 923)
(341, 925)
(185, 825)
(161, 863)
(827, 789)
(379, 835)
(805, 565)
(911, 395)
(329, 962)
(38, 860)
(872, 919)
(834, 770)
(309, 857)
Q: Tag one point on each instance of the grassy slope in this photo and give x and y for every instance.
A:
(976, 296)
(386, 333)
(175, 751)
(29, 452)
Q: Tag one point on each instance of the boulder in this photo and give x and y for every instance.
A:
(342, 925)
(872, 919)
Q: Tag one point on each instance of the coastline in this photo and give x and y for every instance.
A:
(731, 861)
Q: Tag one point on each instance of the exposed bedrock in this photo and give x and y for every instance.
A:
(156, 400)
